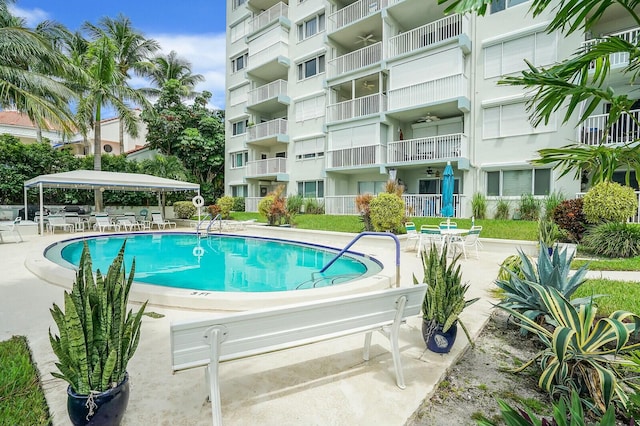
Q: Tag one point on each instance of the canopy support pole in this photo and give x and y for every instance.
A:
(41, 210)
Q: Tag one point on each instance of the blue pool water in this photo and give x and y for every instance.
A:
(219, 263)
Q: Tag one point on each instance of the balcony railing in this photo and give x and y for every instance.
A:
(618, 58)
(251, 204)
(594, 129)
(429, 34)
(267, 129)
(266, 92)
(268, 54)
(355, 60)
(354, 12)
(267, 167)
(359, 107)
(428, 92)
(268, 16)
(357, 156)
(416, 205)
(431, 148)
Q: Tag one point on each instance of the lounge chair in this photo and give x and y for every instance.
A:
(103, 222)
(128, 226)
(158, 220)
(141, 224)
(75, 220)
(412, 234)
(57, 221)
(13, 228)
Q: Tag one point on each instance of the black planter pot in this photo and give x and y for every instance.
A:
(436, 340)
(108, 410)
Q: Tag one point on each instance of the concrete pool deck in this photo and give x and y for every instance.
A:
(319, 384)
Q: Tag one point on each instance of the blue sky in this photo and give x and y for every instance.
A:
(193, 28)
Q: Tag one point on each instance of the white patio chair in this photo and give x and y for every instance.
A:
(448, 225)
(75, 220)
(429, 235)
(13, 228)
(412, 234)
(103, 222)
(128, 226)
(158, 220)
(57, 221)
(142, 225)
(472, 239)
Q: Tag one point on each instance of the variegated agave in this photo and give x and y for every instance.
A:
(98, 336)
(552, 272)
(580, 353)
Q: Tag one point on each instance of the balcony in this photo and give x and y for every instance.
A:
(416, 205)
(429, 92)
(268, 16)
(426, 149)
(361, 58)
(594, 130)
(618, 59)
(270, 97)
(269, 168)
(427, 35)
(354, 12)
(356, 157)
(268, 133)
(359, 107)
(269, 63)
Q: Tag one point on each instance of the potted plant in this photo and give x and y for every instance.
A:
(547, 233)
(97, 338)
(444, 300)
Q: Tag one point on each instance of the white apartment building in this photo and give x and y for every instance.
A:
(331, 98)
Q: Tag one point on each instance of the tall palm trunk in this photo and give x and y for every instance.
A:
(97, 155)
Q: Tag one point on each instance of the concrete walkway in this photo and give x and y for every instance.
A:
(320, 384)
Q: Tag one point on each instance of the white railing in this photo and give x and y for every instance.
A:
(267, 54)
(267, 129)
(359, 107)
(431, 148)
(416, 205)
(633, 219)
(618, 58)
(267, 167)
(251, 204)
(355, 60)
(429, 34)
(428, 92)
(354, 12)
(593, 130)
(357, 156)
(266, 92)
(268, 16)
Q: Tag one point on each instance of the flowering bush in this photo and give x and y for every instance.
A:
(568, 215)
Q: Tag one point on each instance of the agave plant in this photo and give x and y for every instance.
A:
(551, 271)
(580, 353)
(98, 336)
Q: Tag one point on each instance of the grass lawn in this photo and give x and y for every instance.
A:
(21, 397)
(630, 264)
(618, 295)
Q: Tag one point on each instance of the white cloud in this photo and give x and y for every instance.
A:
(32, 16)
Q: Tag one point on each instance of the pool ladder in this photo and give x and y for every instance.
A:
(211, 223)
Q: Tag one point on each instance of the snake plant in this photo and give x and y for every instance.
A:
(580, 352)
(97, 335)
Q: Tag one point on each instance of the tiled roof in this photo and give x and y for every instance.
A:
(15, 118)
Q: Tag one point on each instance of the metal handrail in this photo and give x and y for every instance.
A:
(204, 219)
(212, 221)
(376, 234)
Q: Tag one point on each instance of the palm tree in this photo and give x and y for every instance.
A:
(32, 73)
(171, 67)
(133, 49)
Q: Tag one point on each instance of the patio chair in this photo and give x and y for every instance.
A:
(158, 220)
(75, 220)
(448, 225)
(103, 222)
(128, 226)
(412, 234)
(429, 235)
(472, 239)
(57, 221)
(13, 228)
(142, 224)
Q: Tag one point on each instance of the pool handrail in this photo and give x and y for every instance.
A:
(370, 233)
(212, 221)
(204, 219)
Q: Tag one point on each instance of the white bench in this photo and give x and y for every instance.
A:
(208, 342)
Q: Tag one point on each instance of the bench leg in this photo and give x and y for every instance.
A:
(215, 336)
(395, 352)
(367, 345)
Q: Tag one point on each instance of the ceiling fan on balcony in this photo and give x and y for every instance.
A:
(428, 118)
(366, 39)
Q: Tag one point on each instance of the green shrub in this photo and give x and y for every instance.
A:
(226, 204)
(293, 205)
(502, 209)
(610, 202)
(311, 206)
(512, 264)
(529, 207)
(569, 217)
(184, 209)
(547, 232)
(552, 201)
(613, 239)
(387, 212)
(363, 206)
(273, 207)
(479, 205)
(238, 204)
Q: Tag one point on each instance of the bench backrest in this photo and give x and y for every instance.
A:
(255, 332)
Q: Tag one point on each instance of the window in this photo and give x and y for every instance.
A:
(508, 57)
(239, 159)
(238, 3)
(311, 27)
(373, 187)
(311, 189)
(517, 182)
(500, 5)
(240, 127)
(309, 148)
(239, 191)
(239, 63)
(311, 67)
(511, 120)
(310, 108)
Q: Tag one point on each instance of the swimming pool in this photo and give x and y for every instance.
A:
(220, 263)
